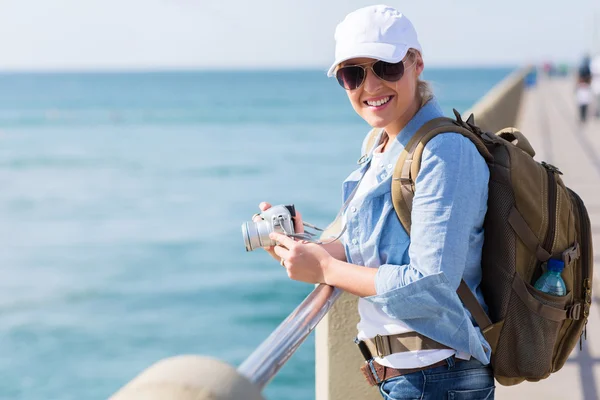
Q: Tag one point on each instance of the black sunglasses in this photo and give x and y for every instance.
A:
(351, 77)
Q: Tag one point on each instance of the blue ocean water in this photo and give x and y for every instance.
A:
(121, 201)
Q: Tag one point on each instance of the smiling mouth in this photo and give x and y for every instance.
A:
(378, 103)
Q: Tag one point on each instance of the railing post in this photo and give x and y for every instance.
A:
(189, 378)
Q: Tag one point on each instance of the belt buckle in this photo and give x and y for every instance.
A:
(370, 374)
(378, 345)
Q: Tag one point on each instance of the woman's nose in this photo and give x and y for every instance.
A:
(372, 82)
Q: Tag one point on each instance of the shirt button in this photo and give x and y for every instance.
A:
(389, 166)
(354, 241)
(353, 209)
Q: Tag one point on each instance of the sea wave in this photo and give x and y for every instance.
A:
(128, 117)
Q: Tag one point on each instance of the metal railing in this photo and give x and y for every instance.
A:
(264, 363)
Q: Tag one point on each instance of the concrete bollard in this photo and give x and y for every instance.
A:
(189, 377)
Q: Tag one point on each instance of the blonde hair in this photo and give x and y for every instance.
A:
(424, 89)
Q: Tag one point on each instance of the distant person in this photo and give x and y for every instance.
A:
(595, 70)
(584, 72)
(378, 62)
(584, 95)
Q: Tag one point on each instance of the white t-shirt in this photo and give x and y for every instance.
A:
(584, 94)
(374, 321)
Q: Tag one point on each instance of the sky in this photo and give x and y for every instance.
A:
(233, 34)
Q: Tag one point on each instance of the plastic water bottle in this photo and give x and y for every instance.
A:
(551, 282)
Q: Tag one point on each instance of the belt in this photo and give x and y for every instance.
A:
(376, 373)
(383, 346)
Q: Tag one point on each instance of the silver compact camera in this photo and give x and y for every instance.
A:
(275, 219)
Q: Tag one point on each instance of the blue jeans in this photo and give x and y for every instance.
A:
(465, 380)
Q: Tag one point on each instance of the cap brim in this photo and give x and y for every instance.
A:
(391, 53)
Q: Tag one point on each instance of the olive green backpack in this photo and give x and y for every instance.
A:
(532, 217)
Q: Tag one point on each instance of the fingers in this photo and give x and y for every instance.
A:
(282, 240)
(298, 227)
(262, 206)
(281, 252)
(271, 251)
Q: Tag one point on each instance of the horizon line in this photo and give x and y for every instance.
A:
(213, 69)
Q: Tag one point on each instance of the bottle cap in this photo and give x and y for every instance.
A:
(555, 265)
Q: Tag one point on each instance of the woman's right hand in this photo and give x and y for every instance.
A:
(298, 226)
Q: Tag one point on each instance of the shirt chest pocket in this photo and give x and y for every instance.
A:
(393, 241)
(394, 251)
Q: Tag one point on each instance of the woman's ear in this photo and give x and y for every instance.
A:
(419, 65)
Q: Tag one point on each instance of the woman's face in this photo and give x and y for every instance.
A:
(401, 96)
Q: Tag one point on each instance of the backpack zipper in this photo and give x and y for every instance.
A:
(552, 193)
(584, 223)
(577, 273)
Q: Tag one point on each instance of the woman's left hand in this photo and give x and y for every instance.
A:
(304, 261)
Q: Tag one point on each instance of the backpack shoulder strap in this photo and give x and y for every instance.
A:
(409, 162)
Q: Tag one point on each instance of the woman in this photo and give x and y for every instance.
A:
(406, 285)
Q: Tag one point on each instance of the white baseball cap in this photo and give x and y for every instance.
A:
(380, 32)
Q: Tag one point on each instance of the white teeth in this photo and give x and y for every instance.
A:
(379, 102)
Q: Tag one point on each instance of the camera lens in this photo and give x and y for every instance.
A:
(246, 236)
(256, 234)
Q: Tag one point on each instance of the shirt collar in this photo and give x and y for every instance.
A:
(429, 111)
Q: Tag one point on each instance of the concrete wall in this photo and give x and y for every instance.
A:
(337, 358)
(500, 107)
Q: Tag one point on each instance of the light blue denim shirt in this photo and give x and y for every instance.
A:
(418, 276)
